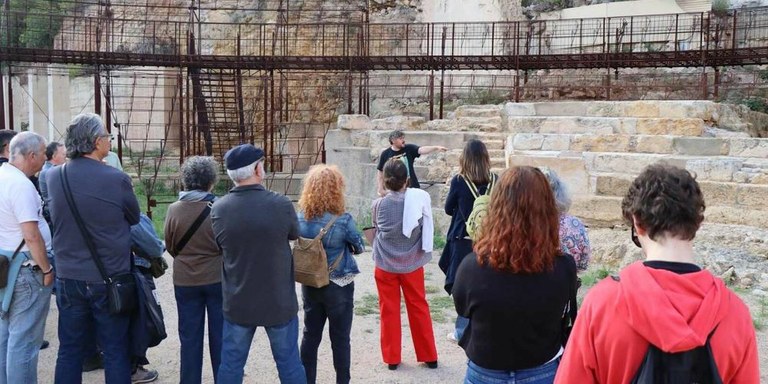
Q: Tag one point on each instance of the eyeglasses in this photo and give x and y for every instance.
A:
(635, 240)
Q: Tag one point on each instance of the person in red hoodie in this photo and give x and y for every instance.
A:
(666, 300)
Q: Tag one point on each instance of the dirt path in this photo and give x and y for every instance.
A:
(367, 366)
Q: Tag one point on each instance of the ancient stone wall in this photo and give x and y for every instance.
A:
(596, 147)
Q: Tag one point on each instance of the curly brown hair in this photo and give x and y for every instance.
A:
(665, 201)
(520, 233)
(322, 191)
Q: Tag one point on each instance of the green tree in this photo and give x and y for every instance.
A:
(33, 23)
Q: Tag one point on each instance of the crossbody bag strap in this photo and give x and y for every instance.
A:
(193, 228)
(335, 264)
(325, 229)
(18, 249)
(81, 225)
(320, 237)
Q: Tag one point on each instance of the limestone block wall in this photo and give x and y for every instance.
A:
(596, 147)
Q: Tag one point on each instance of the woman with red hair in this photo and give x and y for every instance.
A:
(516, 285)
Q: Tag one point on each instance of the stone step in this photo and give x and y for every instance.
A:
(576, 168)
(606, 125)
(738, 195)
(662, 144)
(605, 211)
(467, 124)
(478, 111)
(284, 183)
(705, 110)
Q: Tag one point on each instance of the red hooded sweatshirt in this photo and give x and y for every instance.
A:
(675, 312)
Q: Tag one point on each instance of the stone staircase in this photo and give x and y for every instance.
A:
(598, 155)
(598, 148)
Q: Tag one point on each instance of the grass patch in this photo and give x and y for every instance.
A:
(431, 289)
(593, 277)
(760, 317)
(439, 241)
(367, 305)
(438, 305)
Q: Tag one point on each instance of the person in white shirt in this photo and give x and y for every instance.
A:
(26, 297)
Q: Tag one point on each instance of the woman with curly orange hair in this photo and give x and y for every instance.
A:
(322, 200)
(516, 286)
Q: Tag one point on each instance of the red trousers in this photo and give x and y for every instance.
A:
(412, 284)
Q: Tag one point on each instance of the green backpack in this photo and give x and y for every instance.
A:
(479, 207)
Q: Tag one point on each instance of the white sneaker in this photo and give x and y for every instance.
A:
(451, 336)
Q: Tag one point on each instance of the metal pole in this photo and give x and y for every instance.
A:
(10, 97)
(432, 95)
(716, 84)
(2, 99)
(349, 92)
(97, 93)
(271, 143)
(180, 84)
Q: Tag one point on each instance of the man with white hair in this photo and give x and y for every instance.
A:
(24, 240)
(103, 197)
(252, 227)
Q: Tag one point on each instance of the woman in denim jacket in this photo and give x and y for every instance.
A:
(322, 199)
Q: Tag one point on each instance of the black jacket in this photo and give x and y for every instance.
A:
(252, 227)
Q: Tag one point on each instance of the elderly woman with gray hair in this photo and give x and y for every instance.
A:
(573, 234)
(196, 267)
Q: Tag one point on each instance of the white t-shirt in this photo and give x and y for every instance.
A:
(19, 203)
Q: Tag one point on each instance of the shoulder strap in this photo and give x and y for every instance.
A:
(81, 225)
(471, 186)
(193, 228)
(336, 262)
(325, 229)
(18, 249)
(490, 184)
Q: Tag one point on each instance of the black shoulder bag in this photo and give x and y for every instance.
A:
(121, 289)
(193, 228)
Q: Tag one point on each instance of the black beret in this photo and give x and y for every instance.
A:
(242, 155)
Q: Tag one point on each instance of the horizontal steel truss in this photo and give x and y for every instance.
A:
(693, 58)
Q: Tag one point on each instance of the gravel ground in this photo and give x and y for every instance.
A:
(367, 366)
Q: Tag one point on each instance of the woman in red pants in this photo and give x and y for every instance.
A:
(403, 244)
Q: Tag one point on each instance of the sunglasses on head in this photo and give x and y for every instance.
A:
(635, 240)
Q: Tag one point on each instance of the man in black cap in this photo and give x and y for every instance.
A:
(409, 152)
(252, 227)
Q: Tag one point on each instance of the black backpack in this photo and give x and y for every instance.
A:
(694, 366)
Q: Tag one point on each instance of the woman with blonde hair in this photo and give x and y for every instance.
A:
(322, 200)
(516, 286)
(474, 179)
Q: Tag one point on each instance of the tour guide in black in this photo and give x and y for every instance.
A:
(409, 152)
(252, 227)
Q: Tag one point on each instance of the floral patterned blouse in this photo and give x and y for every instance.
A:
(574, 240)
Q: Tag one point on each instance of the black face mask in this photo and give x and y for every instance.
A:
(634, 237)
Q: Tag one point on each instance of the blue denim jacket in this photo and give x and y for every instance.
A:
(342, 236)
(145, 243)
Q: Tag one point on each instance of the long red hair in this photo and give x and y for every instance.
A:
(520, 233)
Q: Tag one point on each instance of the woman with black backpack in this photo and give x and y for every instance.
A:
(474, 179)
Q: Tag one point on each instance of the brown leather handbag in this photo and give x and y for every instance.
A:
(310, 262)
